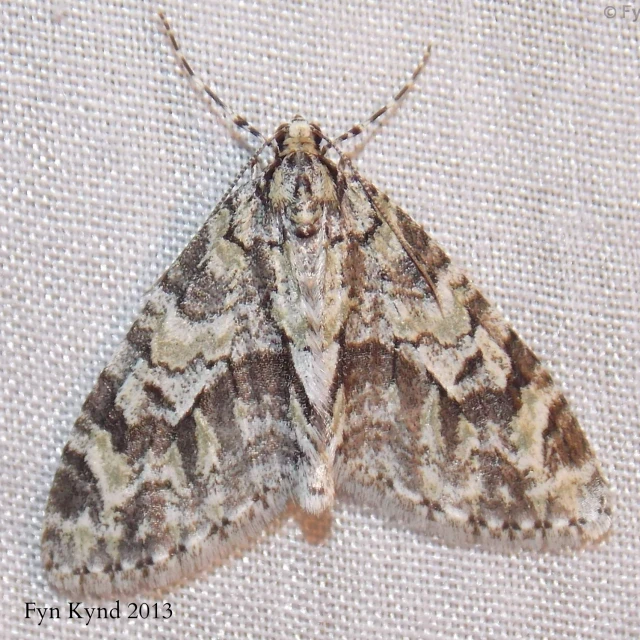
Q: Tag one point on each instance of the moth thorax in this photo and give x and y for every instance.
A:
(314, 195)
(303, 192)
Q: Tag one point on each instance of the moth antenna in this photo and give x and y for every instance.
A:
(239, 121)
(357, 129)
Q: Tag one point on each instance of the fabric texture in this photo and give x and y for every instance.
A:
(518, 150)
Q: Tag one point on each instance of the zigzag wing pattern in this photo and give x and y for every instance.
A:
(449, 420)
(185, 447)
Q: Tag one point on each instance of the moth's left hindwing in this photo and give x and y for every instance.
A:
(184, 447)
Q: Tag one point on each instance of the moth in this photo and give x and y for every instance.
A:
(311, 342)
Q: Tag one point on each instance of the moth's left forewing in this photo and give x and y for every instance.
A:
(447, 418)
(184, 449)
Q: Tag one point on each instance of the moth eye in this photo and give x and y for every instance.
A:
(281, 134)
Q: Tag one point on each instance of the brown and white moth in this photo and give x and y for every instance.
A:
(311, 341)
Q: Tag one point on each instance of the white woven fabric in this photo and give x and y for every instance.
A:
(519, 150)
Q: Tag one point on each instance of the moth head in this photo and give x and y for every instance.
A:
(298, 135)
